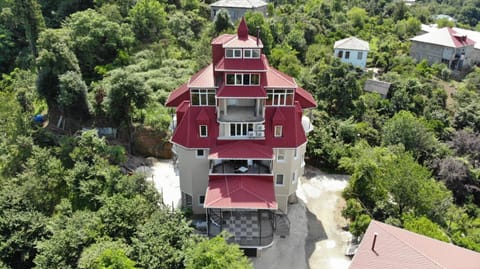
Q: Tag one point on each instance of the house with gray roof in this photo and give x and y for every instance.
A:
(353, 51)
(449, 46)
(237, 8)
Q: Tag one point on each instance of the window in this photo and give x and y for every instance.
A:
(359, 55)
(278, 130)
(202, 97)
(241, 129)
(279, 180)
(281, 155)
(203, 131)
(243, 79)
(251, 53)
(233, 53)
(279, 97)
(187, 200)
(347, 54)
(294, 177)
(340, 54)
(295, 154)
(201, 199)
(200, 153)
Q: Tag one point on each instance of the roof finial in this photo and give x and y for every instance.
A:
(242, 30)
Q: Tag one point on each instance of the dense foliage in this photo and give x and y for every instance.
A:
(413, 156)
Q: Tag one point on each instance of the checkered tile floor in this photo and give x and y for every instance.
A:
(243, 226)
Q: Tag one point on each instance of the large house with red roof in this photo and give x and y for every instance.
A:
(387, 247)
(240, 140)
(443, 46)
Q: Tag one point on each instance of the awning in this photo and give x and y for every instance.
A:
(241, 92)
(243, 192)
(241, 150)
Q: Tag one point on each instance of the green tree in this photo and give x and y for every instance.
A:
(29, 15)
(357, 17)
(423, 225)
(106, 254)
(216, 253)
(222, 21)
(72, 97)
(124, 5)
(148, 20)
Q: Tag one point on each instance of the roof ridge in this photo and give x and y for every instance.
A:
(409, 245)
(197, 75)
(281, 75)
(252, 193)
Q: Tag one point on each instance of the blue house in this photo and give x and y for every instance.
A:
(353, 51)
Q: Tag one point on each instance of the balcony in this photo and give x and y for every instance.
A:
(241, 167)
(240, 114)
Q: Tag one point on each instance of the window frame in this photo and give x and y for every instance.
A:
(278, 131)
(359, 55)
(240, 129)
(200, 156)
(280, 97)
(202, 128)
(340, 54)
(252, 56)
(200, 198)
(347, 54)
(282, 176)
(202, 97)
(233, 53)
(240, 78)
(281, 155)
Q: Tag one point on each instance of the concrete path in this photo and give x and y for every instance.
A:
(316, 240)
(167, 182)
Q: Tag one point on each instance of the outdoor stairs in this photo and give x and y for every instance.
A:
(282, 225)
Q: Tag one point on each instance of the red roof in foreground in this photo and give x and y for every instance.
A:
(253, 192)
(241, 92)
(260, 65)
(241, 150)
(179, 95)
(397, 248)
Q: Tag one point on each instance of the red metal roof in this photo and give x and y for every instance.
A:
(277, 79)
(241, 91)
(293, 134)
(241, 150)
(179, 95)
(305, 98)
(246, 192)
(187, 132)
(203, 78)
(259, 65)
(396, 248)
(220, 40)
(460, 40)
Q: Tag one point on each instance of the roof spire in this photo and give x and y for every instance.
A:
(242, 30)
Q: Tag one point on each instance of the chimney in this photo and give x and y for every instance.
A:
(374, 241)
(258, 34)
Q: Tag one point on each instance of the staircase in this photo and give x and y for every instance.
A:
(282, 225)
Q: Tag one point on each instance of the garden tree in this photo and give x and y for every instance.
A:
(70, 235)
(55, 59)
(222, 22)
(106, 254)
(21, 226)
(357, 17)
(458, 178)
(463, 228)
(466, 143)
(336, 86)
(389, 183)
(124, 5)
(284, 58)
(7, 46)
(373, 110)
(148, 20)
(126, 93)
(295, 39)
(180, 26)
(72, 96)
(216, 253)
(422, 225)
(55, 11)
(120, 216)
(97, 41)
(162, 240)
(42, 180)
(29, 16)
(412, 132)
(466, 109)
(257, 22)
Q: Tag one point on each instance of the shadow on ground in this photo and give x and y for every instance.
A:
(315, 233)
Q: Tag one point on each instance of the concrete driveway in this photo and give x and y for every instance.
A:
(316, 239)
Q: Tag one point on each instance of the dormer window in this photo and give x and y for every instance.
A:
(202, 97)
(251, 53)
(278, 130)
(243, 79)
(233, 53)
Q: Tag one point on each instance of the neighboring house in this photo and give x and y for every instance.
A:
(385, 246)
(240, 141)
(237, 8)
(353, 51)
(377, 86)
(443, 46)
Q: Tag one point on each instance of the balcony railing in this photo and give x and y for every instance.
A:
(240, 114)
(238, 166)
(248, 228)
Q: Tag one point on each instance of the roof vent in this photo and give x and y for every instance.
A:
(374, 241)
